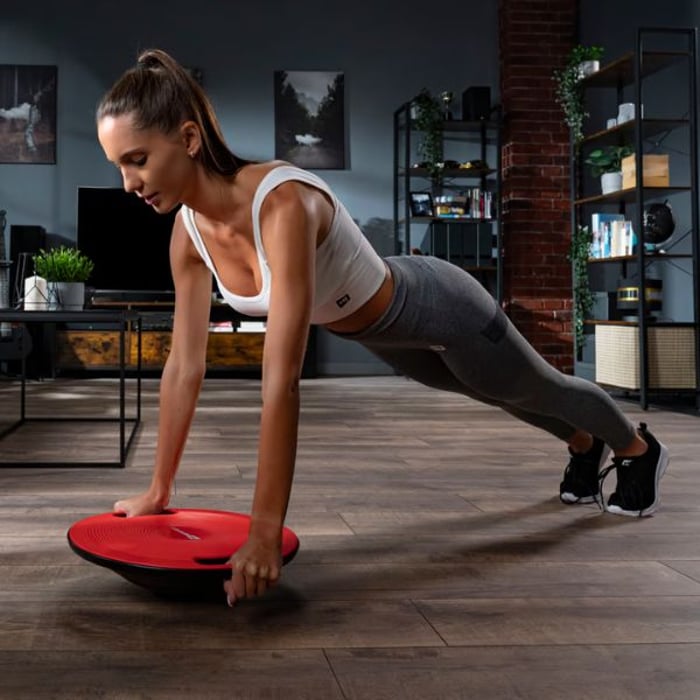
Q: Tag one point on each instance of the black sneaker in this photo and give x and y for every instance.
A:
(637, 491)
(580, 483)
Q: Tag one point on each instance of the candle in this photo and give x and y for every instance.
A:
(36, 294)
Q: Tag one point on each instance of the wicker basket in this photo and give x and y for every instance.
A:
(671, 351)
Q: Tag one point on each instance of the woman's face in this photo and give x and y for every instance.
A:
(155, 166)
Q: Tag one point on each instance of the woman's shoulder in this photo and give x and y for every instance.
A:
(255, 173)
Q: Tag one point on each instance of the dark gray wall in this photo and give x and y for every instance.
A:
(388, 50)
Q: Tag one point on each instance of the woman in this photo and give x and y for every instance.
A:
(280, 244)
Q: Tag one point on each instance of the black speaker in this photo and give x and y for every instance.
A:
(476, 103)
(24, 239)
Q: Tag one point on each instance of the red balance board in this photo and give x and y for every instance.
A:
(180, 552)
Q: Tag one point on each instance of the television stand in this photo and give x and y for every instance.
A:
(101, 297)
(230, 351)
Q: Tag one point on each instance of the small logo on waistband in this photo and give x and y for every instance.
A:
(343, 300)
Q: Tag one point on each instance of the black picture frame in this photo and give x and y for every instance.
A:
(421, 204)
(310, 119)
(28, 114)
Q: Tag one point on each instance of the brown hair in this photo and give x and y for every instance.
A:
(161, 94)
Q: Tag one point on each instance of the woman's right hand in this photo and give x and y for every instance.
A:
(144, 504)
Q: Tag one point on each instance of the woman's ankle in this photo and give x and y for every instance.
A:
(637, 447)
(581, 442)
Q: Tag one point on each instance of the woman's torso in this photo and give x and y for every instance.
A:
(351, 279)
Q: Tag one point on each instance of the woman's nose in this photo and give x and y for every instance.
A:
(131, 182)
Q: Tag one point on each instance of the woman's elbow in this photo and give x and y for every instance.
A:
(189, 373)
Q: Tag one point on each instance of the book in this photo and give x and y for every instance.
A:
(602, 234)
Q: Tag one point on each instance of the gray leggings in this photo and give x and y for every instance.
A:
(443, 329)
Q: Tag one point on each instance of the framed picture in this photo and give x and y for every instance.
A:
(27, 114)
(310, 119)
(422, 204)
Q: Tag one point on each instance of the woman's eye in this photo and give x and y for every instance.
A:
(140, 161)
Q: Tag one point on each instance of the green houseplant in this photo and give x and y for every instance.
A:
(579, 253)
(569, 93)
(429, 120)
(606, 163)
(66, 270)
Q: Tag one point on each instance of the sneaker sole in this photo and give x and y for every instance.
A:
(571, 499)
(661, 467)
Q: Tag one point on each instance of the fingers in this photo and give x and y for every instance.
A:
(249, 581)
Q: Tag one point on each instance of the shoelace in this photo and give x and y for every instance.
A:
(628, 488)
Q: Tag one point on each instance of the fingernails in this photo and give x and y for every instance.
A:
(229, 602)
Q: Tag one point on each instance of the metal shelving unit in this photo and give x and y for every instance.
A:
(657, 343)
(471, 242)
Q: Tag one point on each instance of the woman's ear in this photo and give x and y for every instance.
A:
(191, 138)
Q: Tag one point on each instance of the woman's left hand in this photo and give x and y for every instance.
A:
(256, 566)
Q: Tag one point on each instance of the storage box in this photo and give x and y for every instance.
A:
(656, 172)
(671, 351)
(476, 103)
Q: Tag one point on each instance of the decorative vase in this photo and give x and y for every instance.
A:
(586, 68)
(66, 296)
(611, 182)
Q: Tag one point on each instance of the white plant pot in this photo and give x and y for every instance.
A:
(611, 182)
(586, 68)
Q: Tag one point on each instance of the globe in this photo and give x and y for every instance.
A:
(659, 225)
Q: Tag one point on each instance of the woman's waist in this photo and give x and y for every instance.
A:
(369, 312)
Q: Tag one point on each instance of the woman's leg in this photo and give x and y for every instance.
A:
(442, 309)
(438, 308)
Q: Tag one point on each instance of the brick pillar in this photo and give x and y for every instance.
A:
(536, 36)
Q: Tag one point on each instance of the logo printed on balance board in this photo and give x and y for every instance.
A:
(343, 300)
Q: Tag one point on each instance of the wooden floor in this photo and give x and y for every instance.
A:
(436, 560)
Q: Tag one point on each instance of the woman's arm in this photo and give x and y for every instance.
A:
(182, 374)
(290, 220)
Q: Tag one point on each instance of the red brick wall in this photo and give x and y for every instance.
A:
(535, 38)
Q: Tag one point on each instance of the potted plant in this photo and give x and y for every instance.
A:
(582, 62)
(65, 270)
(427, 115)
(606, 163)
(579, 254)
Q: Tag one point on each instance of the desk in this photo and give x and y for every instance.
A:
(122, 320)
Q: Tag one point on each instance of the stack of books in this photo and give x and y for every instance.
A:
(612, 236)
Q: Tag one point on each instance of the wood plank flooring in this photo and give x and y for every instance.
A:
(436, 560)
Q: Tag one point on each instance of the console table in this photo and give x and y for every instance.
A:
(122, 320)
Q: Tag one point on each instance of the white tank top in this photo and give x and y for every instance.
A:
(348, 270)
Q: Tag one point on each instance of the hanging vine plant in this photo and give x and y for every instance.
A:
(429, 120)
(569, 93)
(583, 298)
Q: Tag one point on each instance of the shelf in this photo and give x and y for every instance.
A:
(630, 195)
(622, 71)
(479, 268)
(468, 242)
(449, 220)
(633, 258)
(644, 353)
(649, 324)
(650, 127)
(475, 173)
(455, 125)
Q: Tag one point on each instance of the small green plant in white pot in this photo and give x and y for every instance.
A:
(65, 270)
(606, 163)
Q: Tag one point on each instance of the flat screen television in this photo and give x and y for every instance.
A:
(128, 242)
